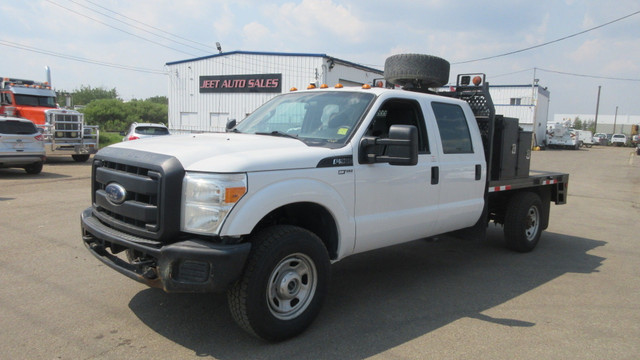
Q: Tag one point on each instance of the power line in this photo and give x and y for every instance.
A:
(79, 59)
(547, 43)
(511, 73)
(588, 76)
(137, 27)
(124, 31)
(566, 73)
(150, 26)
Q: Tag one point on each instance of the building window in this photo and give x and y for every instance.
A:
(515, 101)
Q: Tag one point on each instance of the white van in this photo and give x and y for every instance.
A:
(585, 138)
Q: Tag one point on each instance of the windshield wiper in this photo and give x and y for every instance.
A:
(278, 133)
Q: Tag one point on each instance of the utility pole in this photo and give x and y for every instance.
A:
(615, 118)
(595, 127)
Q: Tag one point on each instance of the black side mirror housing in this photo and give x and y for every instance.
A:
(231, 124)
(402, 147)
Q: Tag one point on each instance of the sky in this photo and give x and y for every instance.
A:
(125, 44)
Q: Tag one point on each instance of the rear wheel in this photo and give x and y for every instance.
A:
(523, 222)
(34, 168)
(284, 284)
(80, 157)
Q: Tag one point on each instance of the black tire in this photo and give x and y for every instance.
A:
(424, 71)
(523, 222)
(80, 157)
(34, 168)
(284, 283)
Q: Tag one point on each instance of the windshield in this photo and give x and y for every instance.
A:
(317, 118)
(30, 100)
(17, 127)
(152, 130)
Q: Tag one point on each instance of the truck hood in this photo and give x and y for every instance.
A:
(230, 152)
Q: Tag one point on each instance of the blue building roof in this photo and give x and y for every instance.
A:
(349, 63)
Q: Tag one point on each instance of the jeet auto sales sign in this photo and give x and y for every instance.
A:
(257, 83)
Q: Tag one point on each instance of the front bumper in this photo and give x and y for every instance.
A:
(64, 148)
(185, 266)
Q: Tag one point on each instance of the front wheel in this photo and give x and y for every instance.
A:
(284, 284)
(523, 222)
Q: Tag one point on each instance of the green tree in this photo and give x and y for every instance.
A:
(147, 111)
(86, 94)
(116, 115)
(159, 100)
(110, 114)
(577, 123)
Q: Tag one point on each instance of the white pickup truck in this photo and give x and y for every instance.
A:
(308, 179)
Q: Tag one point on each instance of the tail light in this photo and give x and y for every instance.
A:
(39, 137)
(133, 137)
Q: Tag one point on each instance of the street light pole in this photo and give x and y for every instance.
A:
(595, 127)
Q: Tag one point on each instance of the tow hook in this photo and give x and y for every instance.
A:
(150, 273)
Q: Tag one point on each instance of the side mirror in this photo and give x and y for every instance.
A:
(122, 133)
(401, 147)
(231, 124)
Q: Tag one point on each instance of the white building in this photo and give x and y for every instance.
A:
(608, 124)
(528, 103)
(206, 92)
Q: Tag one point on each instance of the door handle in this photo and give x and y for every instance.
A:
(478, 171)
(435, 175)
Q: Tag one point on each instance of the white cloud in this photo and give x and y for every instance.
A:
(320, 18)
(255, 35)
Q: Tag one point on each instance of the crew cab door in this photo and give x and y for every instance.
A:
(396, 203)
(462, 166)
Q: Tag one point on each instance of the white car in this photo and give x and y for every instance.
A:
(619, 139)
(145, 130)
(21, 145)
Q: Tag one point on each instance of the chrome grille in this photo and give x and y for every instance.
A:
(67, 126)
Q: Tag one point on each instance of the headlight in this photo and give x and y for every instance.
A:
(207, 199)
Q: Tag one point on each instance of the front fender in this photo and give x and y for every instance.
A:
(265, 196)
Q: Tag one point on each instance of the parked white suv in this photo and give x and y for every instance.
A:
(619, 139)
(21, 145)
(145, 130)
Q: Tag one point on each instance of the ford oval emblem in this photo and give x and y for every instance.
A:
(116, 193)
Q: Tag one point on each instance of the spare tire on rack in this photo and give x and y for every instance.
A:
(416, 70)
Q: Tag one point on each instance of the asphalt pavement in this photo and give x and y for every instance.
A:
(577, 296)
